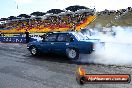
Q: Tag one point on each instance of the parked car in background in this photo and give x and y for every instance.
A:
(69, 43)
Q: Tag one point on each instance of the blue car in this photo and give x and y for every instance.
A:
(69, 43)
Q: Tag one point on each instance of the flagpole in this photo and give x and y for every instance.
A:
(16, 7)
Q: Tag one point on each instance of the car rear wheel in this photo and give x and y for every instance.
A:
(34, 51)
(72, 54)
(90, 51)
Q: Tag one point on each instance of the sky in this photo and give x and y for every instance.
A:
(16, 7)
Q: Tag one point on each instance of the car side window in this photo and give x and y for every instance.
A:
(63, 38)
(51, 38)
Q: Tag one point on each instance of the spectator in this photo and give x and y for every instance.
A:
(27, 36)
(0, 33)
(53, 22)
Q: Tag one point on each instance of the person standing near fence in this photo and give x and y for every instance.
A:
(0, 33)
(27, 36)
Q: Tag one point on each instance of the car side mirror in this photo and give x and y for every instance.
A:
(71, 39)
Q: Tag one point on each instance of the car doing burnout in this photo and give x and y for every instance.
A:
(71, 44)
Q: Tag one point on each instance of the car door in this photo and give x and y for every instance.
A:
(48, 42)
(62, 43)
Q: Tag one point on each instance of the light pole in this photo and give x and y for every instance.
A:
(16, 4)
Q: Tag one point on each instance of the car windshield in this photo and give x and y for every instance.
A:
(79, 36)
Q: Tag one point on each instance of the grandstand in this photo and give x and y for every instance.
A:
(72, 18)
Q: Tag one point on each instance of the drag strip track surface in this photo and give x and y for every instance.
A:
(18, 69)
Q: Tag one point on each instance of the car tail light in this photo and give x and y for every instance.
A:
(93, 46)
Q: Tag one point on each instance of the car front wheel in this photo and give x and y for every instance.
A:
(34, 51)
(72, 54)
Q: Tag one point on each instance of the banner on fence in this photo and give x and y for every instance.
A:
(13, 39)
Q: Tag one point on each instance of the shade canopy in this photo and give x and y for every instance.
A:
(24, 16)
(55, 11)
(75, 8)
(38, 13)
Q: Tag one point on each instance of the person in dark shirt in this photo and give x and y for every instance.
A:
(27, 36)
(0, 33)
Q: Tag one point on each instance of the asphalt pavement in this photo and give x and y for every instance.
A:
(18, 69)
